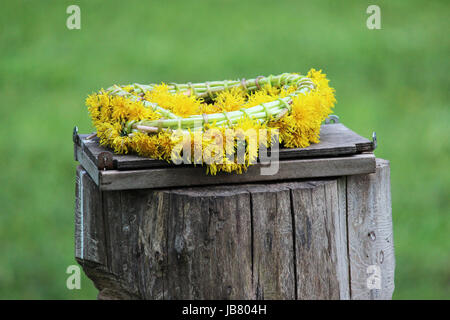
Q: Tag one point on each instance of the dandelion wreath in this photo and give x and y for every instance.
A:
(160, 120)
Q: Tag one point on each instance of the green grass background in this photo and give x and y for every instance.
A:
(394, 81)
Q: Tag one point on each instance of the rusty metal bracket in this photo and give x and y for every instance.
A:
(75, 137)
(105, 161)
(332, 119)
(374, 140)
(76, 142)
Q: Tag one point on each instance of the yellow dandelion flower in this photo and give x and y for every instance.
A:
(179, 103)
(230, 100)
(235, 144)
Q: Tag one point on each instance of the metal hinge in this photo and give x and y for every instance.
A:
(374, 140)
(76, 142)
(105, 161)
(75, 137)
(332, 119)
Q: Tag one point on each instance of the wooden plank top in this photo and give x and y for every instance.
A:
(335, 140)
(183, 176)
(341, 152)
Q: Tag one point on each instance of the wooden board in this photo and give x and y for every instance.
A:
(335, 140)
(196, 176)
(370, 234)
(341, 152)
(314, 239)
(252, 241)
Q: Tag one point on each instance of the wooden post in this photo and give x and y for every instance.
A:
(328, 238)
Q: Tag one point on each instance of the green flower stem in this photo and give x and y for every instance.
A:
(164, 112)
(201, 89)
(263, 112)
(219, 119)
(272, 107)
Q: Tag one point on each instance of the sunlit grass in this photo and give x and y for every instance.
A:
(393, 81)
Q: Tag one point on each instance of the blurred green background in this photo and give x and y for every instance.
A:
(394, 81)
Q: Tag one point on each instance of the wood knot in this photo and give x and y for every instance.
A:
(381, 257)
(179, 244)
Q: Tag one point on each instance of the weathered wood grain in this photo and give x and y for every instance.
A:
(273, 242)
(88, 165)
(186, 175)
(91, 239)
(192, 176)
(370, 236)
(152, 254)
(314, 239)
(209, 244)
(335, 140)
(320, 239)
(89, 225)
(341, 236)
(338, 154)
